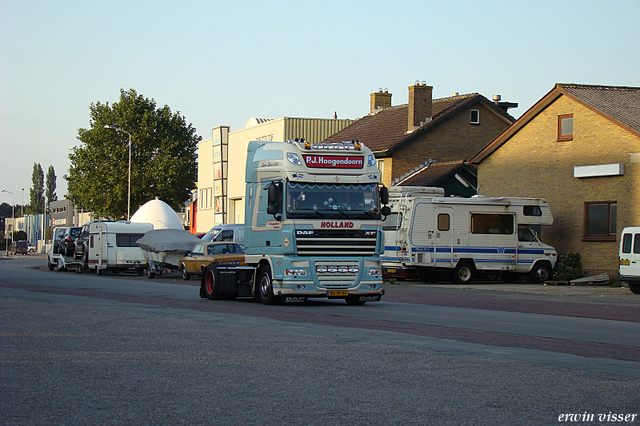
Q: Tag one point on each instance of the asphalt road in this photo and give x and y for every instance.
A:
(86, 349)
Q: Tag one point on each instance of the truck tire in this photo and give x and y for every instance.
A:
(50, 265)
(265, 287)
(540, 272)
(635, 288)
(463, 273)
(209, 285)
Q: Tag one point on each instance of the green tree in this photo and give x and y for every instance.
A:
(163, 157)
(36, 193)
(51, 185)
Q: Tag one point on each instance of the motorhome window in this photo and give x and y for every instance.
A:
(444, 222)
(486, 223)
(392, 222)
(636, 244)
(532, 211)
(325, 200)
(600, 221)
(626, 243)
(127, 240)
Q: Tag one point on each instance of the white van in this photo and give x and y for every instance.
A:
(112, 245)
(629, 263)
(233, 233)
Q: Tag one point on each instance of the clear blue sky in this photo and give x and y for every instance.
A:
(223, 62)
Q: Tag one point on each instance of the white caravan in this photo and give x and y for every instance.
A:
(112, 245)
(429, 233)
(629, 264)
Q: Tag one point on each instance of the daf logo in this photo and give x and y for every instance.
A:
(304, 232)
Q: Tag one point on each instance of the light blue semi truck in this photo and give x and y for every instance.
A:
(313, 215)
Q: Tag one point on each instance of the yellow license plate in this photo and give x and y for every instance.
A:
(624, 262)
(391, 271)
(337, 293)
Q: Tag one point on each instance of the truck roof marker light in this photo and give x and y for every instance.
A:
(307, 145)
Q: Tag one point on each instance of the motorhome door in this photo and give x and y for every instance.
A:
(444, 236)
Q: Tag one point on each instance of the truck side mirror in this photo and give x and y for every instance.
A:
(386, 211)
(384, 195)
(274, 199)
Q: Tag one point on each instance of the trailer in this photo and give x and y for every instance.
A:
(430, 234)
(163, 249)
(56, 259)
(112, 245)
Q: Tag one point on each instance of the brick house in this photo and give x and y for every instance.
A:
(405, 136)
(579, 148)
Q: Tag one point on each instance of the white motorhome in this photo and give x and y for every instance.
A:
(629, 264)
(429, 233)
(112, 245)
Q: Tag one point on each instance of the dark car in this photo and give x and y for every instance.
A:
(21, 246)
(66, 244)
(80, 244)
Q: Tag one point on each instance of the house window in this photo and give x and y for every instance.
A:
(600, 221)
(565, 127)
(381, 169)
(474, 116)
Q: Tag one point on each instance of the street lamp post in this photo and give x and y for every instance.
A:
(117, 129)
(13, 221)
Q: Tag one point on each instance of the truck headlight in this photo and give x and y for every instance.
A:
(295, 273)
(374, 272)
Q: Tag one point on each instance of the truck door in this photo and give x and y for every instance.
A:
(444, 236)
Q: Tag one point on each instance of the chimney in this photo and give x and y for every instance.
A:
(379, 99)
(420, 106)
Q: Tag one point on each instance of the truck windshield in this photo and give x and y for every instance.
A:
(323, 200)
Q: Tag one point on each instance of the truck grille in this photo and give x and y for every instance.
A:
(335, 242)
(332, 278)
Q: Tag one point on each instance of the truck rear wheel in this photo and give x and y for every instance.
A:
(635, 288)
(265, 287)
(463, 273)
(209, 285)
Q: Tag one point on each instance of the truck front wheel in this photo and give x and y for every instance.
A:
(265, 287)
(635, 288)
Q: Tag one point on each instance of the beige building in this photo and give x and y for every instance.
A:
(222, 161)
